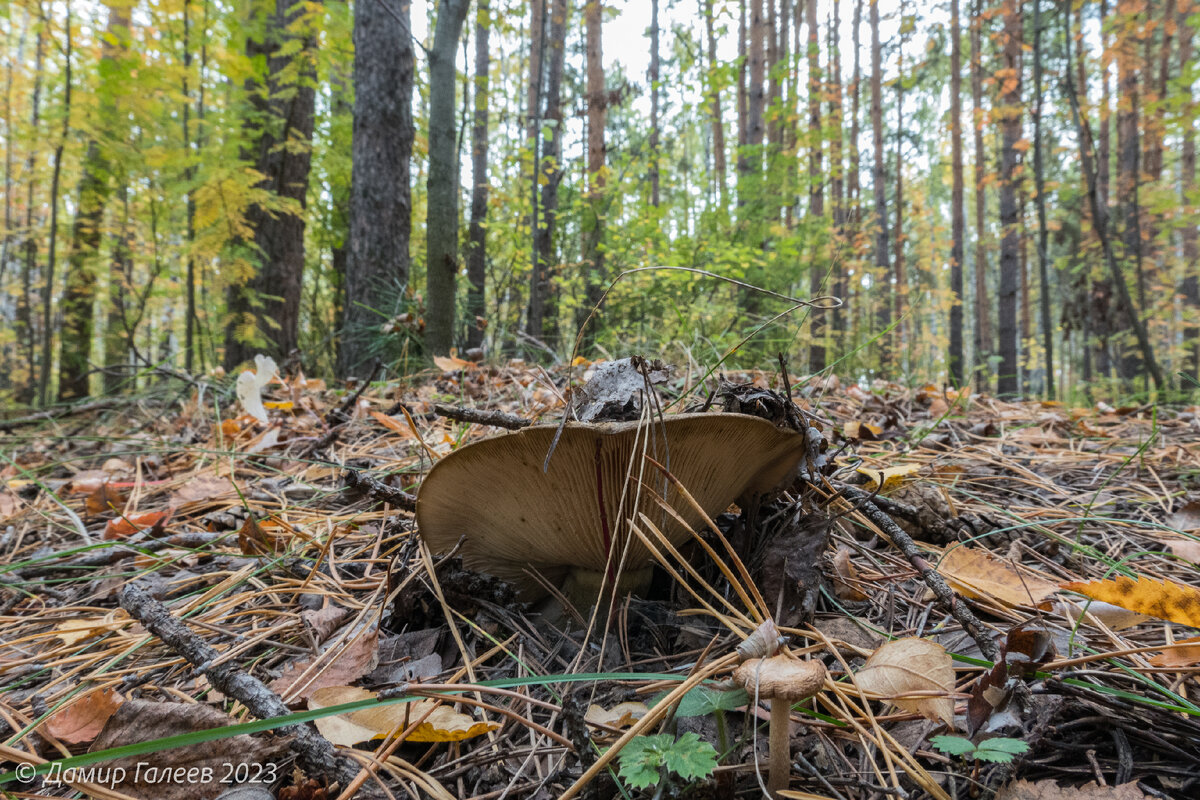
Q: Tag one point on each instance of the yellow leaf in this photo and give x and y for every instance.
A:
(393, 424)
(908, 666)
(977, 574)
(1163, 599)
(279, 405)
(443, 724)
(890, 477)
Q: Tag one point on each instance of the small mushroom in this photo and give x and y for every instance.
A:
(516, 521)
(783, 681)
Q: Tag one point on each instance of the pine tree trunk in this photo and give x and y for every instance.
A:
(1010, 128)
(1039, 177)
(1187, 169)
(718, 125)
(882, 262)
(477, 229)
(268, 306)
(816, 198)
(853, 174)
(441, 221)
(55, 183)
(900, 289)
(837, 182)
(25, 390)
(597, 116)
(1128, 166)
(957, 221)
(654, 120)
(983, 307)
(380, 215)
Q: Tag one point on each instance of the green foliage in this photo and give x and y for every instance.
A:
(999, 750)
(689, 757)
(705, 700)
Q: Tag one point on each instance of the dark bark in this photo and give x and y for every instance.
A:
(654, 103)
(55, 180)
(816, 195)
(837, 182)
(1039, 178)
(743, 103)
(983, 307)
(1128, 167)
(541, 316)
(265, 311)
(1189, 234)
(477, 230)
(882, 262)
(118, 336)
(718, 125)
(380, 216)
(597, 116)
(26, 390)
(441, 225)
(900, 289)
(957, 222)
(1009, 112)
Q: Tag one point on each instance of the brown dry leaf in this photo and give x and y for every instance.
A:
(889, 478)
(71, 631)
(1113, 617)
(1187, 518)
(905, 666)
(335, 666)
(443, 724)
(144, 720)
(978, 574)
(83, 719)
(451, 363)
(1181, 546)
(1179, 656)
(392, 424)
(622, 715)
(1163, 599)
(323, 622)
(1050, 790)
(105, 499)
(938, 407)
(9, 504)
(129, 524)
(845, 576)
(861, 430)
(205, 489)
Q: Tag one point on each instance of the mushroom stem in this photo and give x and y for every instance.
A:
(779, 765)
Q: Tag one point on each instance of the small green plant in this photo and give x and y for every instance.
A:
(705, 700)
(999, 750)
(689, 757)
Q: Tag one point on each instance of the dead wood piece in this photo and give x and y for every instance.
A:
(941, 590)
(56, 413)
(356, 481)
(497, 419)
(113, 551)
(316, 753)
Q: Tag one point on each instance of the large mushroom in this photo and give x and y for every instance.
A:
(517, 522)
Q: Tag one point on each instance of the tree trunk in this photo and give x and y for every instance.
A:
(837, 183)
(654, 120)
(1039, 177)
(900, 289)
(853, 174)
(1128, 165)
(1189, 234)
(380, 215)
(597, 116)
(983, 308)
(117, 335)
(477, 229)
(957, 221)
(1105, 156)
(25, 390)
(1010, 126)
(55, 182)
(816, 197)
(441, 221)
(718, 126)
(882, 262)
(265, 312)
(750, 152)
(541, 316)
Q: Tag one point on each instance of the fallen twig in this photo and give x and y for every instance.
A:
(316, 753)
(497, 419)
(55, 413)
(941, 590)
(372, 487)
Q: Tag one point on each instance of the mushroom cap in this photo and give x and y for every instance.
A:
(518, 520)
(780, 677)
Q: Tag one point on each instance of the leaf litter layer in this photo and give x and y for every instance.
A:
(1069, 536)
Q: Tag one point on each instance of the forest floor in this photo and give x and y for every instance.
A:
(173, 571)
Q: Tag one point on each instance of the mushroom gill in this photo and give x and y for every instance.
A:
(515, 521)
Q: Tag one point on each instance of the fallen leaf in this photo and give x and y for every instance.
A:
(71, 631)
(862, 431)
(622, 715)
(392, 424)
(938, 407)
(1113, 617)
(104, 500)
(145, 720)
(451, 363)
(9, 504)
(345, 661)
(324, 621)
(845, 576)
(443, 724)
(1179, 656)
(129, 524)
(82, 720)
(977, 574)
(887, 478)
(205, 489)
(905, 666)
(1186, 518)
(1163, 599)
(1050, 790)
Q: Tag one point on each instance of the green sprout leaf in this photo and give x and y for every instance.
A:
(705, 700)
(1001, 750)
(953, 745)
(690, 757)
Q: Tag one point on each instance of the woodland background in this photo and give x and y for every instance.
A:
(1002, 193)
